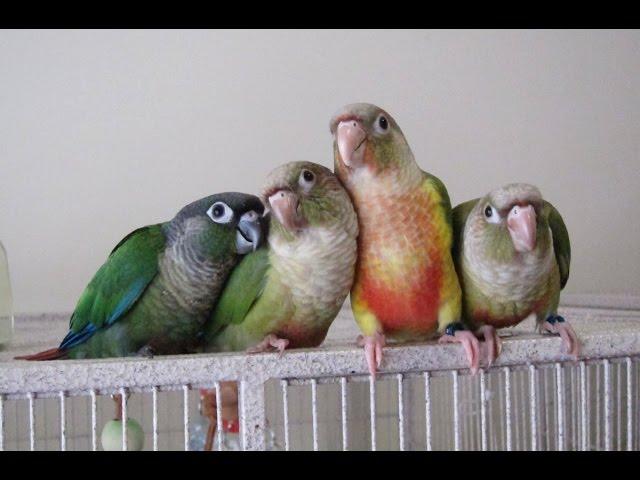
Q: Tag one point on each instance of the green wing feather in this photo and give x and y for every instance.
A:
(118, 284)
(561, 244)
(442, 191)
(459, 217)
(243, 288)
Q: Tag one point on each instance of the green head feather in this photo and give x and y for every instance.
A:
(384, 145)
(314, 197)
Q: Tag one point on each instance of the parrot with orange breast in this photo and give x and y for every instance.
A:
(405, 287)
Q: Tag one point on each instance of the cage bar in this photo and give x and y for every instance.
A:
(427, 410)
(583, 406)
(94, 420)
(32, 422)
(123, 396)
(220, 433)
(372, 413)
(343, 407)
(401, 438)
(533, 408)
(314, 412)
(560, 406)
(63, 423)
(154, 408)
(284, 385)
(185, 405)
(607, 404)
(629, 364)
(1, 422)
(456, 411)
(507, 408)
(483, 411)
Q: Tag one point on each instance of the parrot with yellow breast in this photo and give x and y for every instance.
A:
(405, 287)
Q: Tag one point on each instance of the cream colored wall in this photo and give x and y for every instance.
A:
(105, 131)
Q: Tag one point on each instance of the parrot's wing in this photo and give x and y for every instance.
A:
(435, 183)
(561, 245)
(243, 288)
(117, 285)
(459, 217)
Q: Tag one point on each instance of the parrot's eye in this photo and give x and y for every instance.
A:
(220, 212)
(382, 124)
(307, 179)
(491, 214)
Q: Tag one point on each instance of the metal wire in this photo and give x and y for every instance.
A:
(456, 413)
(185, 405)
(284, 385)
(401, 411)
(483, 411)
(63, 423)
(507, 401)
(629, 364)
(123, 394)
(607, 405)
(372, 412)
(154, 401)
(219, 422)
(94, 421)
(1, 422)
(427, 409)
(533, 407)
(343, 406)
(32, 422)
(314, 412)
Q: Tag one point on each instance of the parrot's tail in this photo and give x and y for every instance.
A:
(51, 354)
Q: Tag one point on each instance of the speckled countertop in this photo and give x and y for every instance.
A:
(38, 332)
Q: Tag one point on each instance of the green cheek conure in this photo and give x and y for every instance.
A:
(158, 287)
(287, 293)
(512, 254)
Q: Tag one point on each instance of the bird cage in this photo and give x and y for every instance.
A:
(424, 398)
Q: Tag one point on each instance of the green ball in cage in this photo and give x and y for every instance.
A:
(111, 437)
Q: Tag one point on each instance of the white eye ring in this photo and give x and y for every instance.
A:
(220, 212)
(493, 217)
(381, 125)
(307, 179)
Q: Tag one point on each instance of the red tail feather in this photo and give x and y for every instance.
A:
(51, 354)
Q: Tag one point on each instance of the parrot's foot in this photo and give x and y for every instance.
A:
(494, 344)
(146, 352)
(270, 343)
(373, 345)
(455, 333)
(557, 325)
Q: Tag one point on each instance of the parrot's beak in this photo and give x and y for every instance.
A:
(521, 222)
(351, 137)
(249, 233)
(285, 205)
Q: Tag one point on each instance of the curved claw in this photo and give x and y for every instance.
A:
(269, 343)
(494, 344)
(373, 345)
(469, 343)
(570, 341)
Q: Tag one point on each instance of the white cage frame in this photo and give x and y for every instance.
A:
(603, 405)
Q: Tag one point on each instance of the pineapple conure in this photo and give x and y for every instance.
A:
(405, 287)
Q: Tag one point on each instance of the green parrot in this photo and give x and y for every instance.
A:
(158, 286)
(287, 293)
(512, 254)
